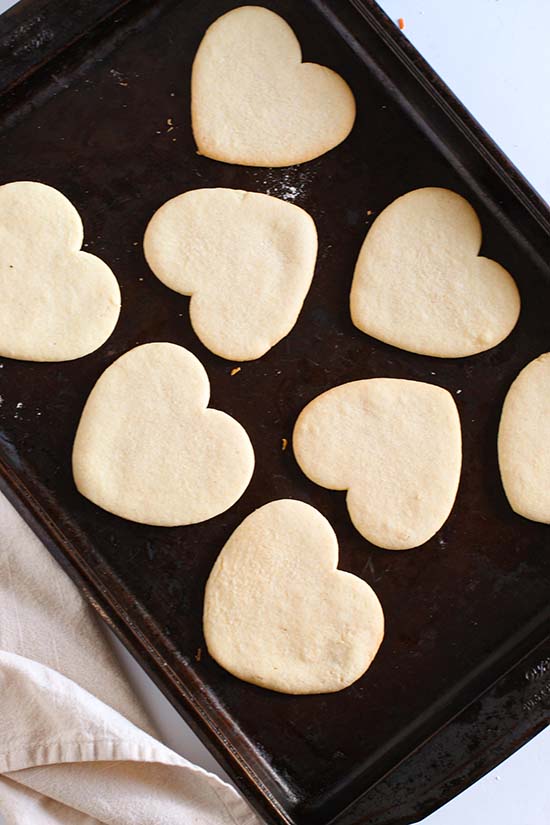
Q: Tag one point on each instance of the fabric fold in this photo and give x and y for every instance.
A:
(76, 746)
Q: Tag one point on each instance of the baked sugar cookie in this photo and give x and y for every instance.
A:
(420, 284)
(279, 614)
(57, 303)
(395, 446)
(246, 259)
(523, 439)
(147, 447)
(254, 102)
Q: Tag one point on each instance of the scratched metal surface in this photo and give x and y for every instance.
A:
(94, 123)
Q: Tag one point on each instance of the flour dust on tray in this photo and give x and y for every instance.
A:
(278, 612)
(288, 184)
(149, 449)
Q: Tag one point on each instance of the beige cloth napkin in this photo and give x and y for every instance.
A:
(76, 747)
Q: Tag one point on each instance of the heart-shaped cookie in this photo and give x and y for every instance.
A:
(56, 302)
(246, 259)
(279, 614)
(147, 447)
(523, 438)
(420, 284)
(395, 446)
(254, 102)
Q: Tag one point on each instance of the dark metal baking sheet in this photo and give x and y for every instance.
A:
(513, 710)
(93, 121)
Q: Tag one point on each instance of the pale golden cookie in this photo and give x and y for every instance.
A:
(279, 614)
(421, 285)
(247, 260)
(254, 102)
(395, 446)
(523, 439)
(149, 449)
(57, 303)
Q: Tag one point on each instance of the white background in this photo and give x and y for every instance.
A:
(495, 55)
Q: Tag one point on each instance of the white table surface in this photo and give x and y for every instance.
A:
(490, 52)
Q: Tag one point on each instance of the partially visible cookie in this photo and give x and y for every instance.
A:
(57, 302)
(523, 439)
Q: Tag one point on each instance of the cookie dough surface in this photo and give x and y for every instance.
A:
(279, 614)
(254, 102)
(395, 446)
(57, 303)
(420, 284)
(523, 439)
(246, 259)
(147, 447)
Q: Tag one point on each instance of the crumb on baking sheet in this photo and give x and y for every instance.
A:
(235, 370)
(118, 77)
(198, 654)
(401, 23)
(284, 443)
(369, 213)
